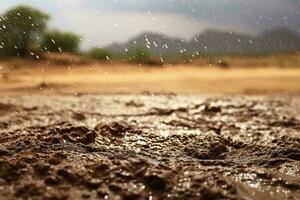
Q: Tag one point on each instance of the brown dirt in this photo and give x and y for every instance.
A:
(149, 147)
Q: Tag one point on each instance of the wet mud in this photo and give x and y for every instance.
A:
(149, 147)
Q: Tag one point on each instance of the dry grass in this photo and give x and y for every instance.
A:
(245, 76)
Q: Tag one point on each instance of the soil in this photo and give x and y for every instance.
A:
(149, 147)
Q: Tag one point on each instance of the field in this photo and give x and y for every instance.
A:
(89, 130)
(249, 75)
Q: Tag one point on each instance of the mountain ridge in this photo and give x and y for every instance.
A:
(275, 40)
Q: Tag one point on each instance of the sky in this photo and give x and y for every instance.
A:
(103, 22)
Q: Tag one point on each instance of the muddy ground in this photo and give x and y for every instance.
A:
(149, 147)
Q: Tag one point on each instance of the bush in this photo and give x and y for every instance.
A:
(218, 62)
(100, 54)
(57, 41)
(223, 64)
(20, 30)
(139, 55)
(143, 57)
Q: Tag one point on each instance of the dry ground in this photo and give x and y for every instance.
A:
(252, 75)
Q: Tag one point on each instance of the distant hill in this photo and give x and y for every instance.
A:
(212, 42)
(156, 43)
(276, 40)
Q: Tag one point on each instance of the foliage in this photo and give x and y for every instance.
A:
(100, 54)
(57, 41)
(144, 57)
(139, 55)
(21, 30)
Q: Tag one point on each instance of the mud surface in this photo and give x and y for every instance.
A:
(149, 147)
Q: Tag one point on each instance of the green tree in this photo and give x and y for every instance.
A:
(21, 30)
(57, 41)
(100, 54)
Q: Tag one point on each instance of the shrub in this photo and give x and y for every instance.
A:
(139, 55)
(143, 57)
(218, 62)
(100, 54)
(57, 41)
(223, 64)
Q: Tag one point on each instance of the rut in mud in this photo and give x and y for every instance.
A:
(149, 147)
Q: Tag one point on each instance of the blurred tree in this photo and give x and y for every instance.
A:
(57, 41)
(21, 30)
(100, 54)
